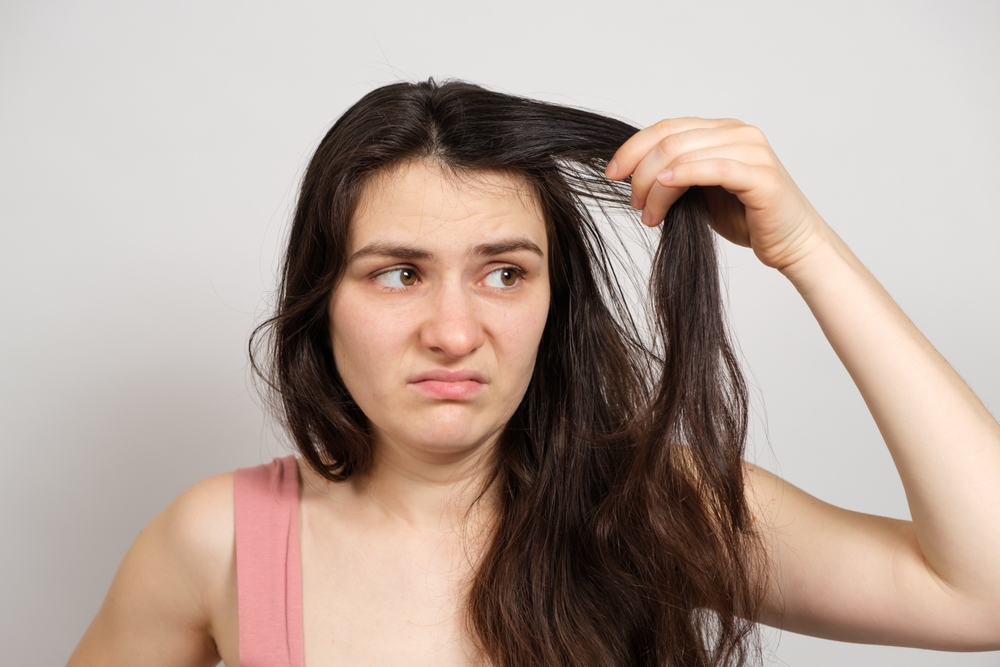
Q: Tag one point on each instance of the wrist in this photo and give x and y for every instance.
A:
(824, 250)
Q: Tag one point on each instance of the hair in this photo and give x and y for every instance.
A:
(623, 535)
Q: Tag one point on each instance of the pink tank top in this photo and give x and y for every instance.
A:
(268, 564)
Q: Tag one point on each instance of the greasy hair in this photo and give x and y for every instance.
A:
(623, 536)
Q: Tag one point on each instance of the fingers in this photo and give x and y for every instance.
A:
(669, 184)
(687, 145)
(654, 199)
(629, 154)
(658, 201)
(669, 144)
(748, 182)
(733, 175)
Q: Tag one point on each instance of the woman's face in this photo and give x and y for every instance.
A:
(436, 323)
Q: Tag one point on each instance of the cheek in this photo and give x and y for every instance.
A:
(364, 343)
(518, 336)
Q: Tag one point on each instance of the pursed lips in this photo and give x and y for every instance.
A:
(440, 383)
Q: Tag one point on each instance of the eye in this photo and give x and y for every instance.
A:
(397, 278)
(503, 277)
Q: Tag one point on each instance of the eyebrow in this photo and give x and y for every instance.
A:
(381, 249)
(509, 245)
(398, 251)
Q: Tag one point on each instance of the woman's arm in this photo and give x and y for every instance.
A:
(932, 582)
(945, 565)
(170, 586)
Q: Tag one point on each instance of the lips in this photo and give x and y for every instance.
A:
(457, 385)
(444, 375)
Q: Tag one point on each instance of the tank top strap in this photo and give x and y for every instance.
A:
(268, 564)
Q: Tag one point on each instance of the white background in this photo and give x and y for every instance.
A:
(149, 156)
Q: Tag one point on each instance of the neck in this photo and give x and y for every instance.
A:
(429, 491)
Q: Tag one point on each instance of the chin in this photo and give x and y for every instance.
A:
(451, 440)
(444, 436)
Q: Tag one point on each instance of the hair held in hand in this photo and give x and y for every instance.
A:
(623, 537)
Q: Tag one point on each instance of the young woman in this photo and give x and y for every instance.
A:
(501, 465)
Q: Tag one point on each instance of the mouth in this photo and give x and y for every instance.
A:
(442, 384)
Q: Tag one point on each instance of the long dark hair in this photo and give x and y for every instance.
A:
(623, 536)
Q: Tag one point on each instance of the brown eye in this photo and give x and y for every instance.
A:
(505, 277)
(398, 278)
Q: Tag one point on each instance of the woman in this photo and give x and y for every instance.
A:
(500, 465)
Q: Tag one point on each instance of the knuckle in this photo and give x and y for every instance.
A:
(669, 145)
(753, 134)
(665, 125)
(760, 155)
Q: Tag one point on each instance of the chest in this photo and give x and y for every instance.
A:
(375, 595)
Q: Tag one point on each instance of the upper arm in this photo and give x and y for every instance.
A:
(164, 596)
(856, 577)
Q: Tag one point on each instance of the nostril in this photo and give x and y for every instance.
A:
(455, 337)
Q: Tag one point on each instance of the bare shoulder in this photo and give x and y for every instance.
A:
(200, 526)
(194, 538)
(172, 586)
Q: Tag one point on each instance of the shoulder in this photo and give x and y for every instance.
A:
(207, 503)
(191, 544)
(173, 586)
(198, 528)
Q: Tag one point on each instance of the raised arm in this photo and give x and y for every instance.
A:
(933, 582)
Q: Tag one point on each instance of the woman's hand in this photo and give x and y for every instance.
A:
(758, 205)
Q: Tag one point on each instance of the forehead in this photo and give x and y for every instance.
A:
(422, 200)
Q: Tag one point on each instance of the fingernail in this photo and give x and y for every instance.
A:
(665, 176)
(612, 170)
(645, 217)
(634, 202)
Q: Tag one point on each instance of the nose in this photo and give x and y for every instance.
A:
(451, 325)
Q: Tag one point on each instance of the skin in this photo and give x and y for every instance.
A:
(385, 557)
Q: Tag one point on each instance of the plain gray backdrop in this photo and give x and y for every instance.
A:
(150, 154)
